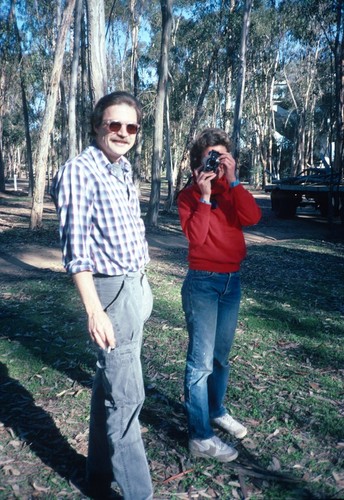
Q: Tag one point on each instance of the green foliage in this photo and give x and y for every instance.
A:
(289, 29)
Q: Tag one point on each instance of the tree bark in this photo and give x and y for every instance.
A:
(169, 168)
(339, 90)
(85, 105)
(48, 119)
(72, 146)
(135, 80)
(241, 81)
(98, 67)
(153, 208)
(194, 124)
(24, 102)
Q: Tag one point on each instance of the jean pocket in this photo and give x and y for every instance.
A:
(122, 377)
(147, 300)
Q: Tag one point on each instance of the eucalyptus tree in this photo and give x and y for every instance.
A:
(299, 72)
(241, 80)
(22, 70)
(124, 57)
(48, 118)
(27, 23)
(11, 138)
(316, 35)
(72, 109)
(338, 50)
(97, 54)
(202, 68)
(166, 20)
(263, 58)
(228, 64)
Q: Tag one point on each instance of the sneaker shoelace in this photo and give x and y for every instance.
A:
(220, 444)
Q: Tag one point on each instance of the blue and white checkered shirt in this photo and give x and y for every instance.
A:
(101, 228)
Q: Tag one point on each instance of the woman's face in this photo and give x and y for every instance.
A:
(220, 149)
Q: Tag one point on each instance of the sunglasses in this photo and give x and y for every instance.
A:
(113, 126)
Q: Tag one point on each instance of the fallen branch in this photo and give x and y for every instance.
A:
(177, 476)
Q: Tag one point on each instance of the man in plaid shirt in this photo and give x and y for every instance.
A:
(105, 250)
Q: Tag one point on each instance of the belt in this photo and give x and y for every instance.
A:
(130, 274)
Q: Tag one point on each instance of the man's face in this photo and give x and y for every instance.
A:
(116, 144)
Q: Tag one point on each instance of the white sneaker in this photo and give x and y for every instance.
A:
(229, 424)
(212, 448)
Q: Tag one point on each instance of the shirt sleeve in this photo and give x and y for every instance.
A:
(73, 194)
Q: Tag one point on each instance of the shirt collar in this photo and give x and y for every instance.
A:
(104, 161)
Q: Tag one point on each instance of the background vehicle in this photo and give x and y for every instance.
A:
(316, 185)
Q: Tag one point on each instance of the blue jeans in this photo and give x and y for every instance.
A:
(116, 449)
(211, 304)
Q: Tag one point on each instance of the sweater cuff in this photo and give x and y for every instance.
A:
(202, 200)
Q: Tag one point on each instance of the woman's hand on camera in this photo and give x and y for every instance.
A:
(227, 167)
(203, 180)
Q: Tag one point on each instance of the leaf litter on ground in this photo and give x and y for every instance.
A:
(286, 382)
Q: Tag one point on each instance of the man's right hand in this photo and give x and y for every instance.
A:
(101, 330)
(99, 324)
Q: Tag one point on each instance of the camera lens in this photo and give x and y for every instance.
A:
(211, 162)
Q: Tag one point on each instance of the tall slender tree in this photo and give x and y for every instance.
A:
(199, 111)
(72, 135)
(339, 88)
(241, 80)
(48, 118)
(21, 65)
(153, 208)
(97, 53)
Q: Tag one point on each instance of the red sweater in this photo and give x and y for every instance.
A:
(216, 240)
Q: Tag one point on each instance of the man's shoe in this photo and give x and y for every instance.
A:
(229, 424)
(212, 448)
(101, 492)
(99, 487)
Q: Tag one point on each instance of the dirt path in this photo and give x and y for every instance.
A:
(26, 259)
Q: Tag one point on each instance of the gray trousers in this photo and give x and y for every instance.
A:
(116, 450)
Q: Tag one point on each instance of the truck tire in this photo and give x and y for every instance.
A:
(322, 201)
(284, 203)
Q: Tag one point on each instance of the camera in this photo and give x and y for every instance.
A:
(211, 162)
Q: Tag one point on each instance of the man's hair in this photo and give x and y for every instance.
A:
(208, 137)
(119, 97)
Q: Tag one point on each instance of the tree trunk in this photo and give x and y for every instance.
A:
(241, 81)
(153, 207)
(169, 168)
(228, 72)
(85, 110)
(228, 99)
(98, 72)
(134, 75)
(62, 152)
(339, 90)
(24, 102)
(134, 79)
(48, 119)
(2, 171)
(194, 124)
(72, 134)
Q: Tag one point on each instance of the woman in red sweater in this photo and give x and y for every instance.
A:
(212, 210)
